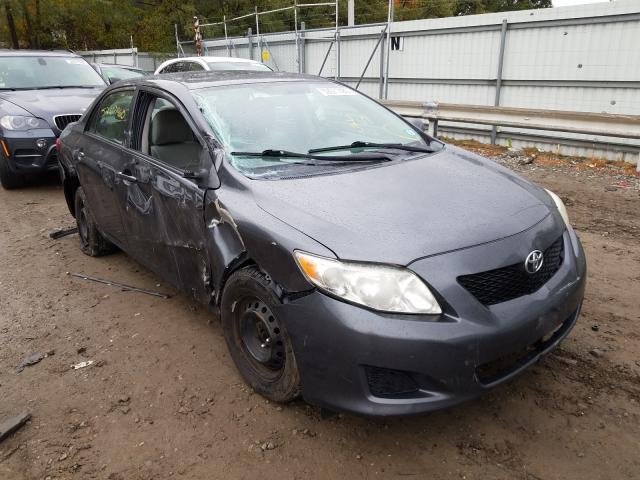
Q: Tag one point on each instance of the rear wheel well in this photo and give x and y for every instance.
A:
(70, 184)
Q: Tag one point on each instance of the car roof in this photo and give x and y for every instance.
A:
(218, 59)
(5, 52)
(206, 79)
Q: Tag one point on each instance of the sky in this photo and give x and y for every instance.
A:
(564, 3)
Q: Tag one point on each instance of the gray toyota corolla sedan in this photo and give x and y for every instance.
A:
(353, 259)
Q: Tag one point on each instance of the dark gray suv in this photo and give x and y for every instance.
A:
(41, 92)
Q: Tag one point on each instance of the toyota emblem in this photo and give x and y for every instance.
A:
(534, 262)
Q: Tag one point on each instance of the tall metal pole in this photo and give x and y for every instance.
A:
(175, 28)
(496, 102)
(226, 38)
(337, 76)
(386, 70)
(295, 29)
(258, 34)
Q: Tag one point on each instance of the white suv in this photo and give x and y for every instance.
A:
(198, 64)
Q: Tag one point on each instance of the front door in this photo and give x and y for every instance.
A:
(163, 211)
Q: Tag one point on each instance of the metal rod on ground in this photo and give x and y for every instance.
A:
(503, 40)
(386, 70)
(326, 57)
(370, 58)
(120, 285)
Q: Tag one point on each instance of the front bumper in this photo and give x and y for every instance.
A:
(25, 156)
(470, 349)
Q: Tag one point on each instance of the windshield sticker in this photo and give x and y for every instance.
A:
(75, 61)
(335, 91)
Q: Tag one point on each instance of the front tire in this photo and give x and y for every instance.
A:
(9, 179)
(256, 338)
(92, 242)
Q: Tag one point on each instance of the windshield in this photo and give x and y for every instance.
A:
(246, 66)
(47, 72)
(296, 117)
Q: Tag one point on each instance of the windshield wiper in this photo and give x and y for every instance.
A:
(367, 157)
(359, 144)
(50, 87)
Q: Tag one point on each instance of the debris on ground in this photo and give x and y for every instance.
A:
(80, 365)
(62, 232)
(12, 424)
(32, 359)
(122, 286)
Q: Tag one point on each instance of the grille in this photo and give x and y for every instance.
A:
(507, 283)
(64, 120)
(384, 382)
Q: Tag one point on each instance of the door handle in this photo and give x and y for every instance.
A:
(80, 155)
(125, 176)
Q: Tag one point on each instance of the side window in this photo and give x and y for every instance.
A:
(195, 67)
(110, 121)
(166, 135)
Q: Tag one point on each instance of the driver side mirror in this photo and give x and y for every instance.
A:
(113, 80)
(420, 123)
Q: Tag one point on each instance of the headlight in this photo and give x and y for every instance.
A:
(380, 287)
(560, 205)
(19, 122)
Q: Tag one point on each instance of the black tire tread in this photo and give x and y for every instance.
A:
(96, 245)
(288, 386)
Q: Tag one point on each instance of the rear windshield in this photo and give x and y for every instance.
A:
(25, 73)
(120, 73)
(245, 66)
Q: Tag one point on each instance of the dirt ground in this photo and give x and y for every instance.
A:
(163, 399)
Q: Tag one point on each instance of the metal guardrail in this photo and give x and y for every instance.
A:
(599, 124)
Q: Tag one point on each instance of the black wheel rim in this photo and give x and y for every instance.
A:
(83, 228)
(261, 337)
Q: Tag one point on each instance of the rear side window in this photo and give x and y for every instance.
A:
(110, 121)
(195, 67)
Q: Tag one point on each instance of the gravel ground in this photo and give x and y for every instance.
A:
(163, 399)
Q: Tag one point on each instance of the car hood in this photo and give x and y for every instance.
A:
(401, 212)
(49, 103)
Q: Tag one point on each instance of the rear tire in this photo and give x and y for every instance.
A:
(9, 179)
(256, 338)
(92, 242)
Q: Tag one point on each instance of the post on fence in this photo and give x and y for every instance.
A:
(338, 54)
(226, 38)
(382, 54)
(295, 32)
(115, 57)
(386, 70)
(250, 42)
(351, 13)
(175, 27)
(302, 49)
(258, 35)
(503, 40)
(373, 52)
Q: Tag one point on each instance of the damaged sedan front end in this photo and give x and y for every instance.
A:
(352, 259)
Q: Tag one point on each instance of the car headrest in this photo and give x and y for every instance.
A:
(169, 126)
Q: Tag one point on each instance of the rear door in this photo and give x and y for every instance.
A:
(163, 211)
(101, 156)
